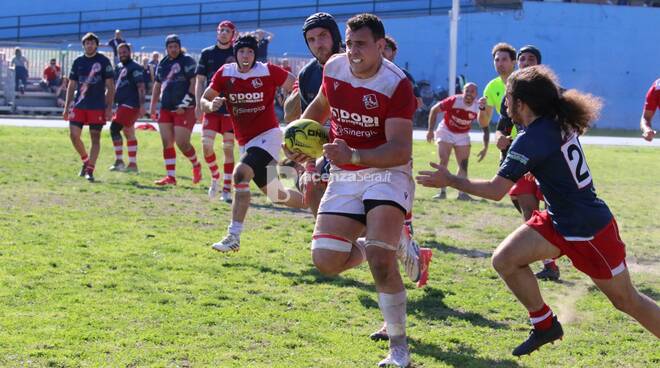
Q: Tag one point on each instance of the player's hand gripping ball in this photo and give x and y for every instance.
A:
(305, 136)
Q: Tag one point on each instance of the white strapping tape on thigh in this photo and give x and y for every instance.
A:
(380, 244)
(228, 143)
(331, 242)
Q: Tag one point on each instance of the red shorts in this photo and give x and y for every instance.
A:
(87, 117)
(526, 185)
(126, 115)
(219, 123)
(602, 257)
(186, 120)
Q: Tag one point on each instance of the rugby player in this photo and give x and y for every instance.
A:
(217, 122)
(370, 103)
(175, 89)
(250, 87)
(453, 131)
(576, 223)
(525, 194)
(91, 78)
(129, 97)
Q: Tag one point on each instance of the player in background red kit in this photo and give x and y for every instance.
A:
(250, 87)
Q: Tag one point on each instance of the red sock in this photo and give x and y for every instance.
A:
(132, 151)
(90, 168)
(213, 166)
(192, 156)
(169, 154)
(84, 159)
(542, 318)
(229, 169)
(119, 153)
(550, 263)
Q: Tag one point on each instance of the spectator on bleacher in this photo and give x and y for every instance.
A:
(155, 60)
(263, 39)
(113, 43)
(20, 64)
(52, 76)
(148, 74)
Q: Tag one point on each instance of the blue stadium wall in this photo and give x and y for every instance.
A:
(609, 51)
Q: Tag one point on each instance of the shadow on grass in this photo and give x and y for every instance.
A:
(470, 253)
(431, 306)
(310, 276)
(464, 356)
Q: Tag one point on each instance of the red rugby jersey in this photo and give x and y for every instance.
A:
(250, 97)
(359, 107)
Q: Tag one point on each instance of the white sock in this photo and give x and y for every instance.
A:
(393, 308)
(235, 228)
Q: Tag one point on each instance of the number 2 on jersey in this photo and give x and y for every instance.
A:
(574, 156)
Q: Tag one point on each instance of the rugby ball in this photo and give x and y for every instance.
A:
(305, 136)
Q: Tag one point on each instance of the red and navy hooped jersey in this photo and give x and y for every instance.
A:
(91, 74)
(211, 59)
(557, 161)
(360, 107)
(127, 78)
(250, 97)
(653, 97)
(174, 75)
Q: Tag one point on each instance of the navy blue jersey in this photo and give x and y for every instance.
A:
(309, 82)
(174, 76)
(559, 165)
(91, 74)
(211, 59)
(127, 77)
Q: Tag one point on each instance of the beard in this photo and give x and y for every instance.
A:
(322, 55)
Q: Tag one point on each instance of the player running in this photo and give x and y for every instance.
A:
(91, 78)
(525, 194)
(576, 223)
(250, 87)
(453, 131)
(217, 122)
(129, 97)
(370, 103)
(174, 87)
(652, 103)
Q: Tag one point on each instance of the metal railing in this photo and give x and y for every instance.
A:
(202, 15)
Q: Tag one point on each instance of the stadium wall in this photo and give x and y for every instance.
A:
(610, 51)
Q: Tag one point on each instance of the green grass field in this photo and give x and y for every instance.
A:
(119, 273)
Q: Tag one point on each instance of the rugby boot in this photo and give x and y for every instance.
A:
(538, 338)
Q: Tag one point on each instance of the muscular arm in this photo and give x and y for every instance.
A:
(141, 96)
(200, 84)
(155, 97)
(292, 107)
(484, 116)
(73, 85)
(109, 93)
(318, 110)
(207, 99)
(494, 189)
(433, 115)
(645, 124)
(398, 149)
